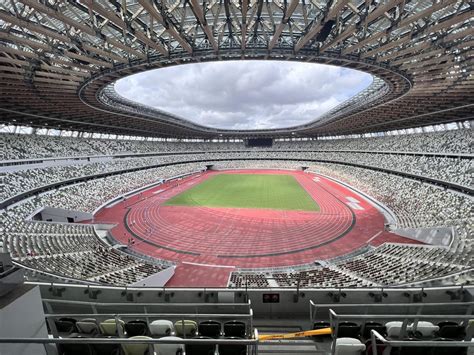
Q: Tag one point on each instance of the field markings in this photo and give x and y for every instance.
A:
(209, 265)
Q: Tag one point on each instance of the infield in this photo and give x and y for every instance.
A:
(281, 192)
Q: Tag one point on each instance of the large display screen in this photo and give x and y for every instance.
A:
(259, 142)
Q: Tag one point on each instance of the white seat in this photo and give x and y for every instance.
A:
(426, 329)
(161, 327)
(169, 349)
(349, 346)
(393, 328)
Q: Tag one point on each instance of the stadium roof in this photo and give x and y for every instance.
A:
(59, 59)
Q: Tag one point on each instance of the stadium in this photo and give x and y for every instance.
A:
(130, 230)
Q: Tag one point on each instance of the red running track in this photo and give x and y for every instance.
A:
(247, 238)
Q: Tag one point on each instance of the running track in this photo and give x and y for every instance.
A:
(247, 238)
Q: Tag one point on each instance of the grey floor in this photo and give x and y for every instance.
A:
(287, 347)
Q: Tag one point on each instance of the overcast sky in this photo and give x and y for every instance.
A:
(245, 94)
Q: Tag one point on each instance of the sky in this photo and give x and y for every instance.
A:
(245, 94)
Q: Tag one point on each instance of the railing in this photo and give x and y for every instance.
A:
(239, 310)
(377, 337)
(335, 319)
(251, 343)
(31, 273)
(418, 308)
(195, 311)
(245, 307)
(246, 318)
(447, 278)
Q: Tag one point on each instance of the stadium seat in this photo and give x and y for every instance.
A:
(231, 349)
(370, 350)
(349, 346)
(200, 349)
(109, 327)
(394, 328)
(186, 328)
(451, 330)
(136, 349)
(412, 350)
(136, 328)
(348, 330)
(75, 349)
(378, 327)
(424, 329)
(169, 349)
(106, 349)
(210, 328)
(65, 326)
(235, 329)
(161, 328)
(88, 326)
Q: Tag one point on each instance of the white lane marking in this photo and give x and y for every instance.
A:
(210, 265)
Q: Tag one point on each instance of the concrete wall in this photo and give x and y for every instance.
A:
(439, 236)
(292, 304)
(156, 280)
(61, 215)
(23, 318)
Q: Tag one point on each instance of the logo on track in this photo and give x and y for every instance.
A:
(354, 203)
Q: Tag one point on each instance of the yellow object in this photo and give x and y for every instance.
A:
(306, 333)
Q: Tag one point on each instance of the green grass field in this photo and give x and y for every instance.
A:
(280, 192)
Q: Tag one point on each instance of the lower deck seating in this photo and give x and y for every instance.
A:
(386, 265)
(252, 280)
(73, 251)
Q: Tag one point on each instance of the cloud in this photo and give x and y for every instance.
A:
(245, 94)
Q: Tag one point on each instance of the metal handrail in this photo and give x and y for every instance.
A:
(398, 343)
(126, 341)
(247, 316)
(152, 315)
(400, 316)
(252, 342)
(335, 318)
(121, 304)
(313, 308)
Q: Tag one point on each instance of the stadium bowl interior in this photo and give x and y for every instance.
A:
(129, 230)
